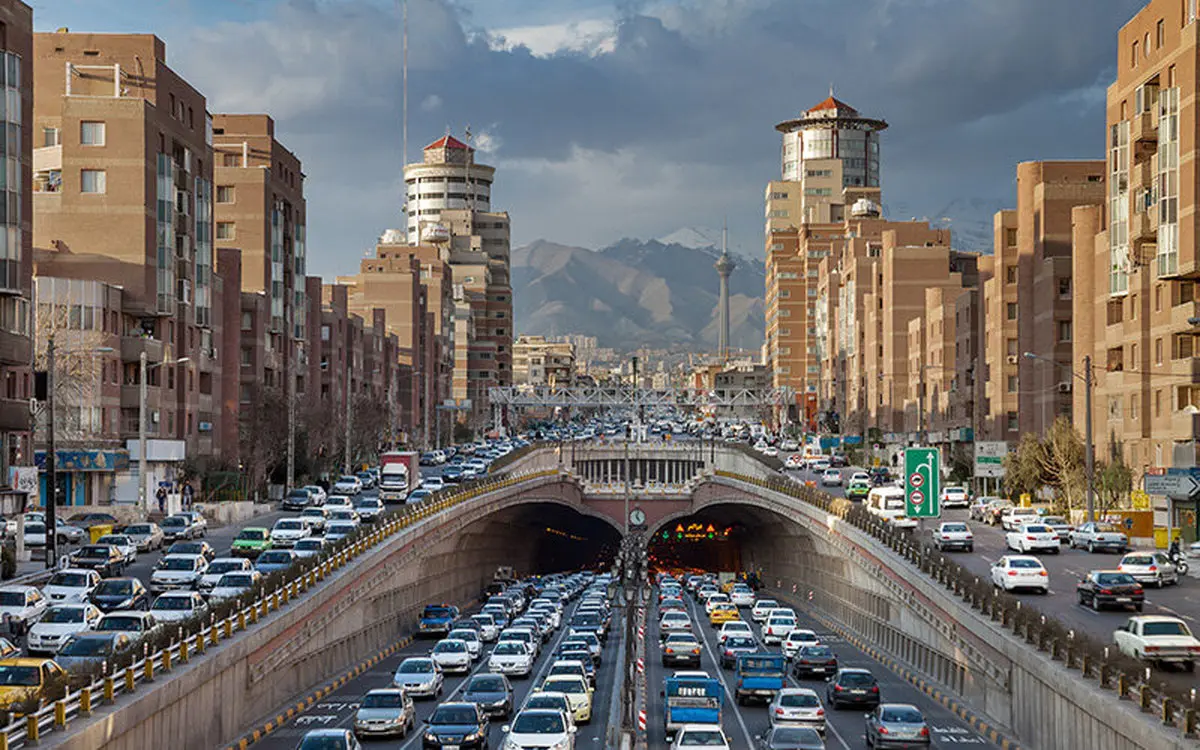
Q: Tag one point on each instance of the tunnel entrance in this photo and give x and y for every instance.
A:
(543, 537)
(720, 538)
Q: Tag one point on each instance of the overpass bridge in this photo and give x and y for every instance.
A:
(565, 505)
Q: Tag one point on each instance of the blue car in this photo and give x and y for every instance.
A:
(438, 619)
(274, 559)
(417, 496)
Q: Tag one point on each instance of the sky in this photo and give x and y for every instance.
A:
(634, 118)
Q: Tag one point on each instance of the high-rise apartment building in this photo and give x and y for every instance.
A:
(447, 178)
(538, 361)
(1136, 256)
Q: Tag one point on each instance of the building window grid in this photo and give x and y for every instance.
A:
(1168, 182)
(1119, 208)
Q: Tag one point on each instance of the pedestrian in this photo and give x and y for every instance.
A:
(188, 492)
(162, 499)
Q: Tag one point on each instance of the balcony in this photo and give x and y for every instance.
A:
(133, 346)
(1185, 425)
(131, 397)
(1143, 128)
(15, 349)
(14, 415)
(1141, 177)
(1144, 226)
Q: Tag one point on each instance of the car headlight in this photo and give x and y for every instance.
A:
(473, 736)
(431, 737)
(512, 745)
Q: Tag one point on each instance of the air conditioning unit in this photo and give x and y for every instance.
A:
(1012, 359)
(1064, 387)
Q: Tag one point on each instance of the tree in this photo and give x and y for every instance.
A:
(1062, 463)
(78, 372)
(262, 433)
(1114, 482)
(1023, 467)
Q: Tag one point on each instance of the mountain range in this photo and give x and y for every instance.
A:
(635, 293)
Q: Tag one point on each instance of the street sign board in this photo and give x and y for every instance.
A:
(922, 474)
(989, 458)
(1178, 486)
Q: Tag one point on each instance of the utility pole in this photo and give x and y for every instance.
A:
(290, 394)
(51, 456)
(143, 488)
(346, 455)
(1089, 457)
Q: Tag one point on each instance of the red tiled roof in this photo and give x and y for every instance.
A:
(832, 103)
(448, 141)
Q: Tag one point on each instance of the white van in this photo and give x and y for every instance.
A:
(888, 504)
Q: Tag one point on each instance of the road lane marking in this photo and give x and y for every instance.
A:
(737, 710)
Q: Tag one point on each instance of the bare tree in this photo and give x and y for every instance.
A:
(1062, 463)
(262, 432)
(78, 372)
(1023, 467)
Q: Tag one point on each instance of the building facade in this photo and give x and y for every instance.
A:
(538, 361)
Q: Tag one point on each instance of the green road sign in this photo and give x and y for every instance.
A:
(922, 473)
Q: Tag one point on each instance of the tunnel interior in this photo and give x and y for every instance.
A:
(726, 537)
(539, 538)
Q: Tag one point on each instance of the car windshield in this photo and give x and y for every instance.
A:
(17, 675)
(564, 686)
(541, 700)
(33, 529)
(1026, 564)
(954, 527)
(305, 545)
(816, 652)
(1110, 530)
(186, 548)
(341, 527)
(119, 622)
(784, 737)
(177, 563)
(509, 647)
(781, 621)
(857, 678)
(323, 742)
(486, 683)
(799, 700)
(538, 723)
(86, 647)
(1055, 521)
(422, 666)
(680, 638)
(120, 541)
(290, 525)
(766, 604)
(702, 738)
(236, 581)
(449, 647)
(1114, 579)
(173, 602)
(740, 642)
(275, 557)
(1138, 560)
(437, 612)
(454, 715)
(383, 700)
(100, 552)
(175, 521)
(252, 535)
(901, 715)
(1039, 529)
(63, 615)
(1164, 627)
(71, 580)
(138, 529)
(224, 566)
(110, 588)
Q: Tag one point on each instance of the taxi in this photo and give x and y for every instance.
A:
(722, 613)
(23, 678)
(579, 694)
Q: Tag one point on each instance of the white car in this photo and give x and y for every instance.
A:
(860, 476)
(336, 530)
(125, 543)
(347, 485)
(178, 572)
(761, 607)
(488, 629)
(1158, 639)
(734, 627)
(955, 497)
(135, 625)
(232, 585)
(451, 655)
(674, 621)
(1033, 537)
(742, 597)
(317, 493)
(1013, 518)
(287, 531)
(60, 623)
(777, 628)
(220, 567)
(315, 517)
(368, 509)
(511, 658)
(797, 707)
(71, 585)
(1150, 567)
(540, 727)
(309, 547)
(711, 602)
(1013, 572)
(470, 637)
(1094, 536)
(22, 605)
(176, 606)
(335, 501)
(700, 735)
(419, 676)
(433, 484)
(953, 535)
(831, 478)
(798, 639)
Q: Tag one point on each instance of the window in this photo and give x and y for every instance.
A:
(49, 136)
(225, 194)
(91, 133)
(1010, 237)
(1160, 34)
(1158, 296)
(1012, 383)
(247, 321)
(1158, 351)
(1158, 403)
(1064, 288)
(1146, 44)
(1064, 330)
(92, 181)
(1011, 420)
(325, 332)
(247, 357)
(1133, 57)
(1133, 306)
(1011, 347)
(225, 230)
(1011, 308)
(1010, 275)
(1133, 407)
(231, 160)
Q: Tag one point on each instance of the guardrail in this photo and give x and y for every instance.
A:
(85, 690)
(1102, 662)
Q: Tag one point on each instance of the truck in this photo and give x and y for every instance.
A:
(1158, 639)
(399, 473)
(759, 677)
(691, 700)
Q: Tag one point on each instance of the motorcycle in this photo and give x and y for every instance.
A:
(1178, 560)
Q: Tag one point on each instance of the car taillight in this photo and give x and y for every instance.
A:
(1042, 573)
(1138, 590)
(838, 688)
(1151, 648)
(670, 650)
(779, 712)
(1012, 572)
(1031, 537)
(924, 731)
(945, 536)
(883, 730)
(874, 688)
(820, 712)
(1153, 568)
(1105, 591)
(696, 650)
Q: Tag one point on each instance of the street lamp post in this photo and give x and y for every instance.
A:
(1089, 459)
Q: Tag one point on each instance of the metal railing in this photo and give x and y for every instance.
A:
(1129, 678)
(194, 637)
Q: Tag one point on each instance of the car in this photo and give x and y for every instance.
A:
(218, 568)
(147, 536)
(105, 559)
(814, 661)
(976, 511)
(385, 712)
(799, 706)
(310, 546)
(329, 739)
(700, 735)
(897, 725)
(88, 520)
(274, 560)
(735, 646)
(777, 628)
(286, 532)
(199, 524)
(369, 509)
(92, 650)
(511, 658)
(852, 686)
(451, 655)
(335, 501)
(1159, 640)
(136, 625)
(176, 527)
(681, 647)
(955, 496)
(1032, 537)
(732, 628)
(1112, 588)
(953, 535)
(315, 517)
(1152, 568)
(60, 623)
(419, 676)
(798, 639)
(741, 595)
(177, 606)
(298, 498)
(858, 489)
(367, 479)
(21, 606)
(1061, 526)
(428, 458)
(761, 607)
(348, 485)
(995, 510)
(336, 530)
(344, 515)
(784, 737)
(723, 612)
(540, 728)
(250, 541)
(437, 619)
(575, 661)
(469, 636)
(317, 493)
(1013, 518)
(433, 484)
(26, 678)
(177, 572)
(71, 585)
(1094, 536)
(1013, 572)
(120, 593)
(488, 629)
(578, 693)
(713, 599)
(831, 478)
(234, 584)
(491, 692)
(195, 547)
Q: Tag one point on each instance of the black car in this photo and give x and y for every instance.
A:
(790, 738)
(852, 687)
(460, 725)
(1110, 588)
(297, 499)
(814, 661)
(491, 692)
(198, 547)
(105, 559)
(120, 593)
